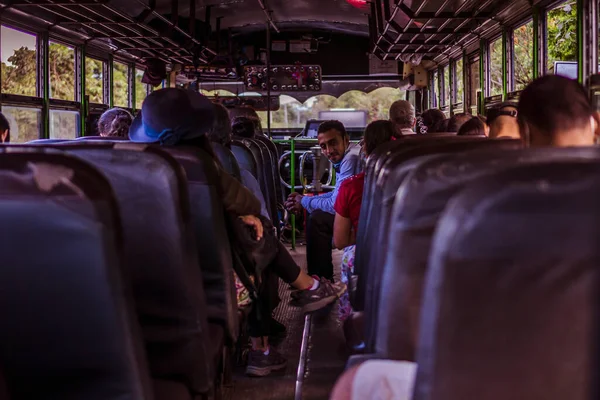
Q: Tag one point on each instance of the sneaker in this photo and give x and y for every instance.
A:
(325, 294)
(260, 364)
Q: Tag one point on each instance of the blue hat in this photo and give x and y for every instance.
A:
(171, 115)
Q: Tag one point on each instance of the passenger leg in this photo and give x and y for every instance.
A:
(319, 237)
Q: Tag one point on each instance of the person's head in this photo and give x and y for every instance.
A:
(173, 117)
(221, 129)
(333, 140)
(4, 129)
(243, 127)
(376, 133)
(245, 111)
(457, 120)
(114, 123)
(430, 120)
(473, 127)
(555, 111)
(502, 121)
(402, 114)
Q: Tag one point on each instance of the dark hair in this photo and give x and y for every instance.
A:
(473, 127)
(243, 127)
(4, 126)
(332, 124)
(430, 120)
(457, 120)
(249, 112)
(554, 103)
(221, 129)
(115, 123)
(376, 133)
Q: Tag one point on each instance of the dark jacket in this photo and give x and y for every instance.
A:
(237, 199)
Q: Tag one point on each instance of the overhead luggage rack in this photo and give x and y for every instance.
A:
(100, 23)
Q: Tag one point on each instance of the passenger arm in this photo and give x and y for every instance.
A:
(343, 235)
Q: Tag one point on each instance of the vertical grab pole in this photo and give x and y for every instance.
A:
(269, 79)
(293, 184)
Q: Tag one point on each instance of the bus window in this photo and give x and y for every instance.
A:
(120, 85)
(24, 123)
(141, 89)
(64, 124)
(446, 86)
(561, 33)
(458, 81)
(474, 85)
(94, 80)
(496, 67)
(435, 92)
(19, 62)
(62, 72)
(522, 56)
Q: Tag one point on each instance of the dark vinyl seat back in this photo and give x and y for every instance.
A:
(274, 153)
(103, 138)
(244, 157)
(68, 326)
(47, 141)
(419, 203)
(270, 183)
(382, 213)
(160, 255)
(372, 169)
(227, 160)
(511, 295)
(212, 237)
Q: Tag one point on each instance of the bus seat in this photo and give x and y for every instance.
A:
(419, 203)
(68, 326)
(244, 157)
(274, 153)
(270, 169)
(47, 141)
(511, 299)
(228, 160)
(382, 211)
(212, 238)
(161, 258)
(103, 138)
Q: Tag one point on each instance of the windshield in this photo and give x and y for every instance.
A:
(355, 109)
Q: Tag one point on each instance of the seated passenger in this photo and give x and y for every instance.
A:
(114, 123)
(502, 121)
(431, 121)
(335, 144)
(402, 114)
(243, 127)
(473, 127)
(174, 117)
(555, 111)
(4, 129)
(221, 133)
(348, 202)
(248, 112)
(457, 120)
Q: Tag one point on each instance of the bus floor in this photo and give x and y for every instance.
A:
(324, 358)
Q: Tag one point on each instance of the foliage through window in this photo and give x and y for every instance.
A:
(94, 80)
(120, 85)
(140, 89)
(293, 114)
(523, 56)
(561, 28)
(474, 85)
(446, 86)
(24, 123)
(459, 81)
(19, 63)
(64, 124)
(62, 72)
(496, 67)
(436, 90)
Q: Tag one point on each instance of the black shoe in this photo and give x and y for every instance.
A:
(260, 364)
(325, 294)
